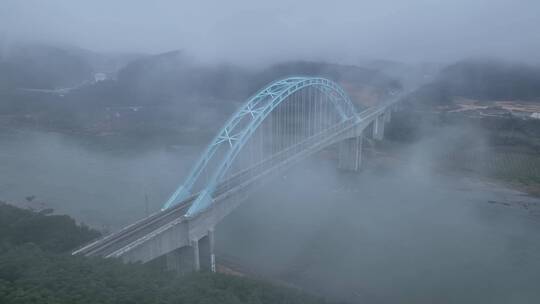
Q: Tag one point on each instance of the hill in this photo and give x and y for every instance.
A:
(173, 78)
(42, 67)
(36, 267)
(156, 95)
(483, 80)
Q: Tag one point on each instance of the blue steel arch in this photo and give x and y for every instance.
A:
(235, 135)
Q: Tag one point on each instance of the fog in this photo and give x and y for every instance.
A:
(102, 186)
(387, 238)
(259, 32)
(401, 230)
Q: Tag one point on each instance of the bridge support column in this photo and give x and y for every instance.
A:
(350, 154)
(388, 116)
(196, 255)
(206, 252)
(199, 256)
(378, 127)
(181, 260)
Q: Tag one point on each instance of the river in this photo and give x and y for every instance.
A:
(396, 232)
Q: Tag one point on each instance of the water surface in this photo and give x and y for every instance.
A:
(397, 233)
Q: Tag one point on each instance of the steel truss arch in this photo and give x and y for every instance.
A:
(235, 134)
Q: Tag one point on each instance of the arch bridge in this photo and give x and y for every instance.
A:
(282, 124)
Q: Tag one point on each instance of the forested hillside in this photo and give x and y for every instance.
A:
(36, 267)
(149, 96)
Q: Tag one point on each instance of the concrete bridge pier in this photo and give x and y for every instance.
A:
(182, 260)
(350, 154)
(199, 255)
(388, 116)
(207, 257)
(378, 127)
(378, 124)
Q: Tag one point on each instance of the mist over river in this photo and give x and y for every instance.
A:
(395, 232)
(102, 185)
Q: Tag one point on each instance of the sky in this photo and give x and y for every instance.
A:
(249, 31)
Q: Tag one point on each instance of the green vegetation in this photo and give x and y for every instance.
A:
(52, 233)
(519, 168)
(160, 97)
(36, 267)
(499, 148)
